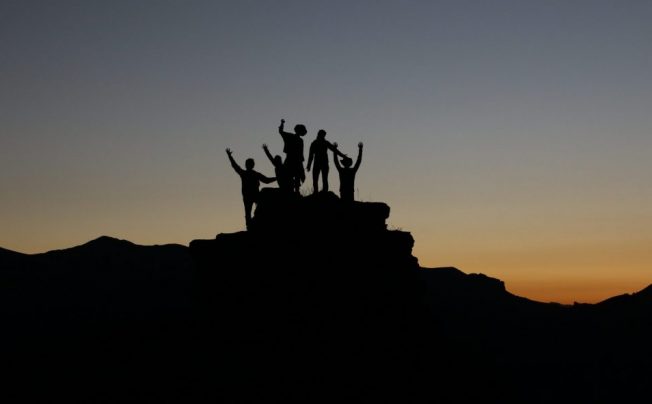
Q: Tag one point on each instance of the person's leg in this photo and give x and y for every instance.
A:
(315, 179)
(324, 178)
(248, 204)
(301, 176)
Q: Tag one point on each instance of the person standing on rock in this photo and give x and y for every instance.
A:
(319, 152)
(293, 149)
(251, 180)
(282, 178)
(347, 174)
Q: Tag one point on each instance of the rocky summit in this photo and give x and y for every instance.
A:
(318, 300)
(316, 297)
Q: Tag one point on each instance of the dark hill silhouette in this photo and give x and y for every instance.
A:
(641, 297)
(318, 300)
(10, 259)
(104, 275)
(4, 253)
(96, 323)
(325, 289)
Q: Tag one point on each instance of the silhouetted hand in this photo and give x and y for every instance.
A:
(282, 124)
(229, 152)
(335, 145)
(360, 145)
(265, 146)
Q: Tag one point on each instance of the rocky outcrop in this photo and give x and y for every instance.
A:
(319, 286)
(317, 250)
(315, 214)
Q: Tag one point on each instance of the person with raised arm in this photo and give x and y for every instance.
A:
(282, 178)
(251, 180)
(347, 174)
(293, 149)
(319, 152)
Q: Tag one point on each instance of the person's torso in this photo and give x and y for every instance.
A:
(250, 182)
(295, 148)
(347, 178)
(320, 151)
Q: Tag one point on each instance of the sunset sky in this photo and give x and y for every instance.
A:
(511, 138)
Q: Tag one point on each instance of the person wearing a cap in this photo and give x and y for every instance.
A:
(293, 149)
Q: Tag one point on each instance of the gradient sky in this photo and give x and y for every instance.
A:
(511, 138)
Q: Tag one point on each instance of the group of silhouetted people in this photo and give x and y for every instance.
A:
(290, 174)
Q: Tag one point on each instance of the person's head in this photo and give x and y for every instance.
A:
(249, 164)
(300, 130)
(321, 134)
(347, 162)
(278, 160)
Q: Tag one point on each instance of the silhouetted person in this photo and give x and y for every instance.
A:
(347, 174)
(319, 151)
(251, 180)
(282, 176)
(293, 149)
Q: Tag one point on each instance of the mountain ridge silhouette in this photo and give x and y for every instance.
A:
(113, 244)
(319, 300)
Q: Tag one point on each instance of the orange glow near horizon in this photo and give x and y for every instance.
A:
(566, 274)
(562, 275)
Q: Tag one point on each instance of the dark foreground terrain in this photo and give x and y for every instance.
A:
(318, 301)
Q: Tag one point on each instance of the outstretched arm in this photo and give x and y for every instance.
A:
(333, 147)
(359, 160)
(266, 180)
(235, 165)
(268, 154)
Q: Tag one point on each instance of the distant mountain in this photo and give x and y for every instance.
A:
(9, 258)
(8, 253)
(318, 301)
(641, 297)
(105, 320)
(105, 275)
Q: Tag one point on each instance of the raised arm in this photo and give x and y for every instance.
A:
(235, 165)
(337, 162)
(359, 160)
(268, 154)
(282, 132)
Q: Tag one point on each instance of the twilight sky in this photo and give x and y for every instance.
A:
(512, 138)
